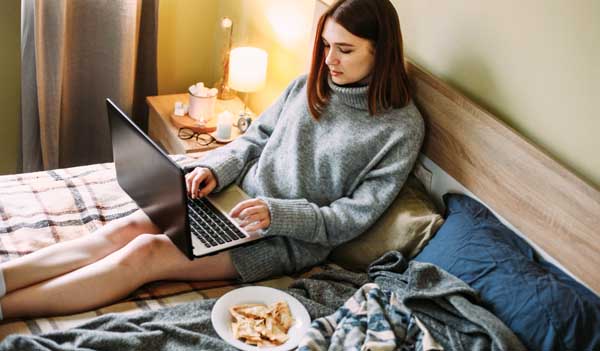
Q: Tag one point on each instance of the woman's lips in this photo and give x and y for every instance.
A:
(335, 73)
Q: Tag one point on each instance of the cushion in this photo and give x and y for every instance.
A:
(545, 307)
(406, 226)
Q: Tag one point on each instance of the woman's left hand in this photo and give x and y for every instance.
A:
(253, 213)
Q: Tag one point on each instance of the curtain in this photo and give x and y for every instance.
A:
(75, 54)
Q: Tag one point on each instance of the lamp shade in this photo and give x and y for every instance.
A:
(247, 69)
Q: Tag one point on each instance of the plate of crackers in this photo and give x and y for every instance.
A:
(260, 318)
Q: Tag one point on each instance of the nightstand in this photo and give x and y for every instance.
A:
(164, 132)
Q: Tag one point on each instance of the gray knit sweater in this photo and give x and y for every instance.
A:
(326, 181)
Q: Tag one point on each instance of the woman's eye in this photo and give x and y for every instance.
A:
(345, 51)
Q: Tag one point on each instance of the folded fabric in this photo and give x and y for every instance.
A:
(444, 304)
(410, 306)
(372, 319)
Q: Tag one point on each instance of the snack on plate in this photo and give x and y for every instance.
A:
(261, 325)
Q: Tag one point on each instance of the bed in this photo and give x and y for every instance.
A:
(467, 151)
(42, 208)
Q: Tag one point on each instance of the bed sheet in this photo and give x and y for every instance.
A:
(42, 208)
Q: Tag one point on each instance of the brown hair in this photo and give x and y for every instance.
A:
(377, 21)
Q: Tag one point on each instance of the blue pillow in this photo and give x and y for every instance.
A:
(544, 307)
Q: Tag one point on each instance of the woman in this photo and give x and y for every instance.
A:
(321, 165)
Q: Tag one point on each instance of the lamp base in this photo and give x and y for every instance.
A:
(225, 93)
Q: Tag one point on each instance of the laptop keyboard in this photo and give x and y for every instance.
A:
(209, 225)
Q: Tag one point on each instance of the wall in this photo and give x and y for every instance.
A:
(185, 43)
(190, 42)
(281, 27)
(534, 64)
(9, 84)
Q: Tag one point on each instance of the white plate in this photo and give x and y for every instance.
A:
(222, 141)
(221, 318)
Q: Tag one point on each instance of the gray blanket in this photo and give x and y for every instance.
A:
(455, 322)
(444, 304)
(183, 327)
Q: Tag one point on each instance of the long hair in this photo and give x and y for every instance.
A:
(374, 20)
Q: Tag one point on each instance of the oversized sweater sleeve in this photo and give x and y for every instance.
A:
(349, 216)
(230, 161)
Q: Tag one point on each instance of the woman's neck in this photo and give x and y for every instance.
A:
(354, 95)
(361, 83)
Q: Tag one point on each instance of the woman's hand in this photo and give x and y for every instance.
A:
(200, 182)
(253, 213)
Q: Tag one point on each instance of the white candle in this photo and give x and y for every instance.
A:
(224, 125)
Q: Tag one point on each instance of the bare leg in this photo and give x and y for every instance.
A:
(67, 256)
(146, 258)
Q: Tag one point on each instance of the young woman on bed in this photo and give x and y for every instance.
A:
(322, 163)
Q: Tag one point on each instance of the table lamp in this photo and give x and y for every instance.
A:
(247, 71)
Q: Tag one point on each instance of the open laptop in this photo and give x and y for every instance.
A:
(198, 227)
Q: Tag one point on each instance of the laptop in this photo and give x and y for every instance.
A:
(198, 227)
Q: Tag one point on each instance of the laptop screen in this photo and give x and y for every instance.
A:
(150, 177)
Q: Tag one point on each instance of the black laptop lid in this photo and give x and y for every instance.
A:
(150, 178)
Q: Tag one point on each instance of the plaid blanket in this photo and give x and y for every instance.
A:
(42, 208)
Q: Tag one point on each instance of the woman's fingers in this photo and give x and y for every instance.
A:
(196, 181)
(253, 213)
(188, 183)
(209, 185)
(235, 212)
(199, 179)
(264, 224)
(257, 217)
(200, 182)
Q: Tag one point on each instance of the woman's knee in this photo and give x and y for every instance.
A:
(125, 229)
(141, 252)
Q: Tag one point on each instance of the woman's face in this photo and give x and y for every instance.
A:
(349, 58)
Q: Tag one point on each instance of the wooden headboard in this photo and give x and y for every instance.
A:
(546, 202)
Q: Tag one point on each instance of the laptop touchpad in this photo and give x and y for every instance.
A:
(227, 198)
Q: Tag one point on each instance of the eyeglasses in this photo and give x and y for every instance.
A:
(201, 138)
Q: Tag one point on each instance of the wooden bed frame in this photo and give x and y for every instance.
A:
(546, 202)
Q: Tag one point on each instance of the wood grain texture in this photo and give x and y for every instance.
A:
(188, 122)
(545, 201)
(162, 130)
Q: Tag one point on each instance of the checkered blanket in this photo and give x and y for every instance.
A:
(42, 208)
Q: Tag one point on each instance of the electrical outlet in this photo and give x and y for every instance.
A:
(424, 175)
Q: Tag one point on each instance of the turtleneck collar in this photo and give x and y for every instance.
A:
(356, 97)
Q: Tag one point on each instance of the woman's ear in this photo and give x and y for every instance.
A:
(372, 47)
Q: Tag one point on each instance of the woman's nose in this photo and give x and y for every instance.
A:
(330, 57)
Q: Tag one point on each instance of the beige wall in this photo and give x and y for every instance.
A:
(185, 43)
(282, 28)
(9, 84)
(535, 64)
(190, 41)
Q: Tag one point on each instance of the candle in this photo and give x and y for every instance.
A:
(224, 125)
